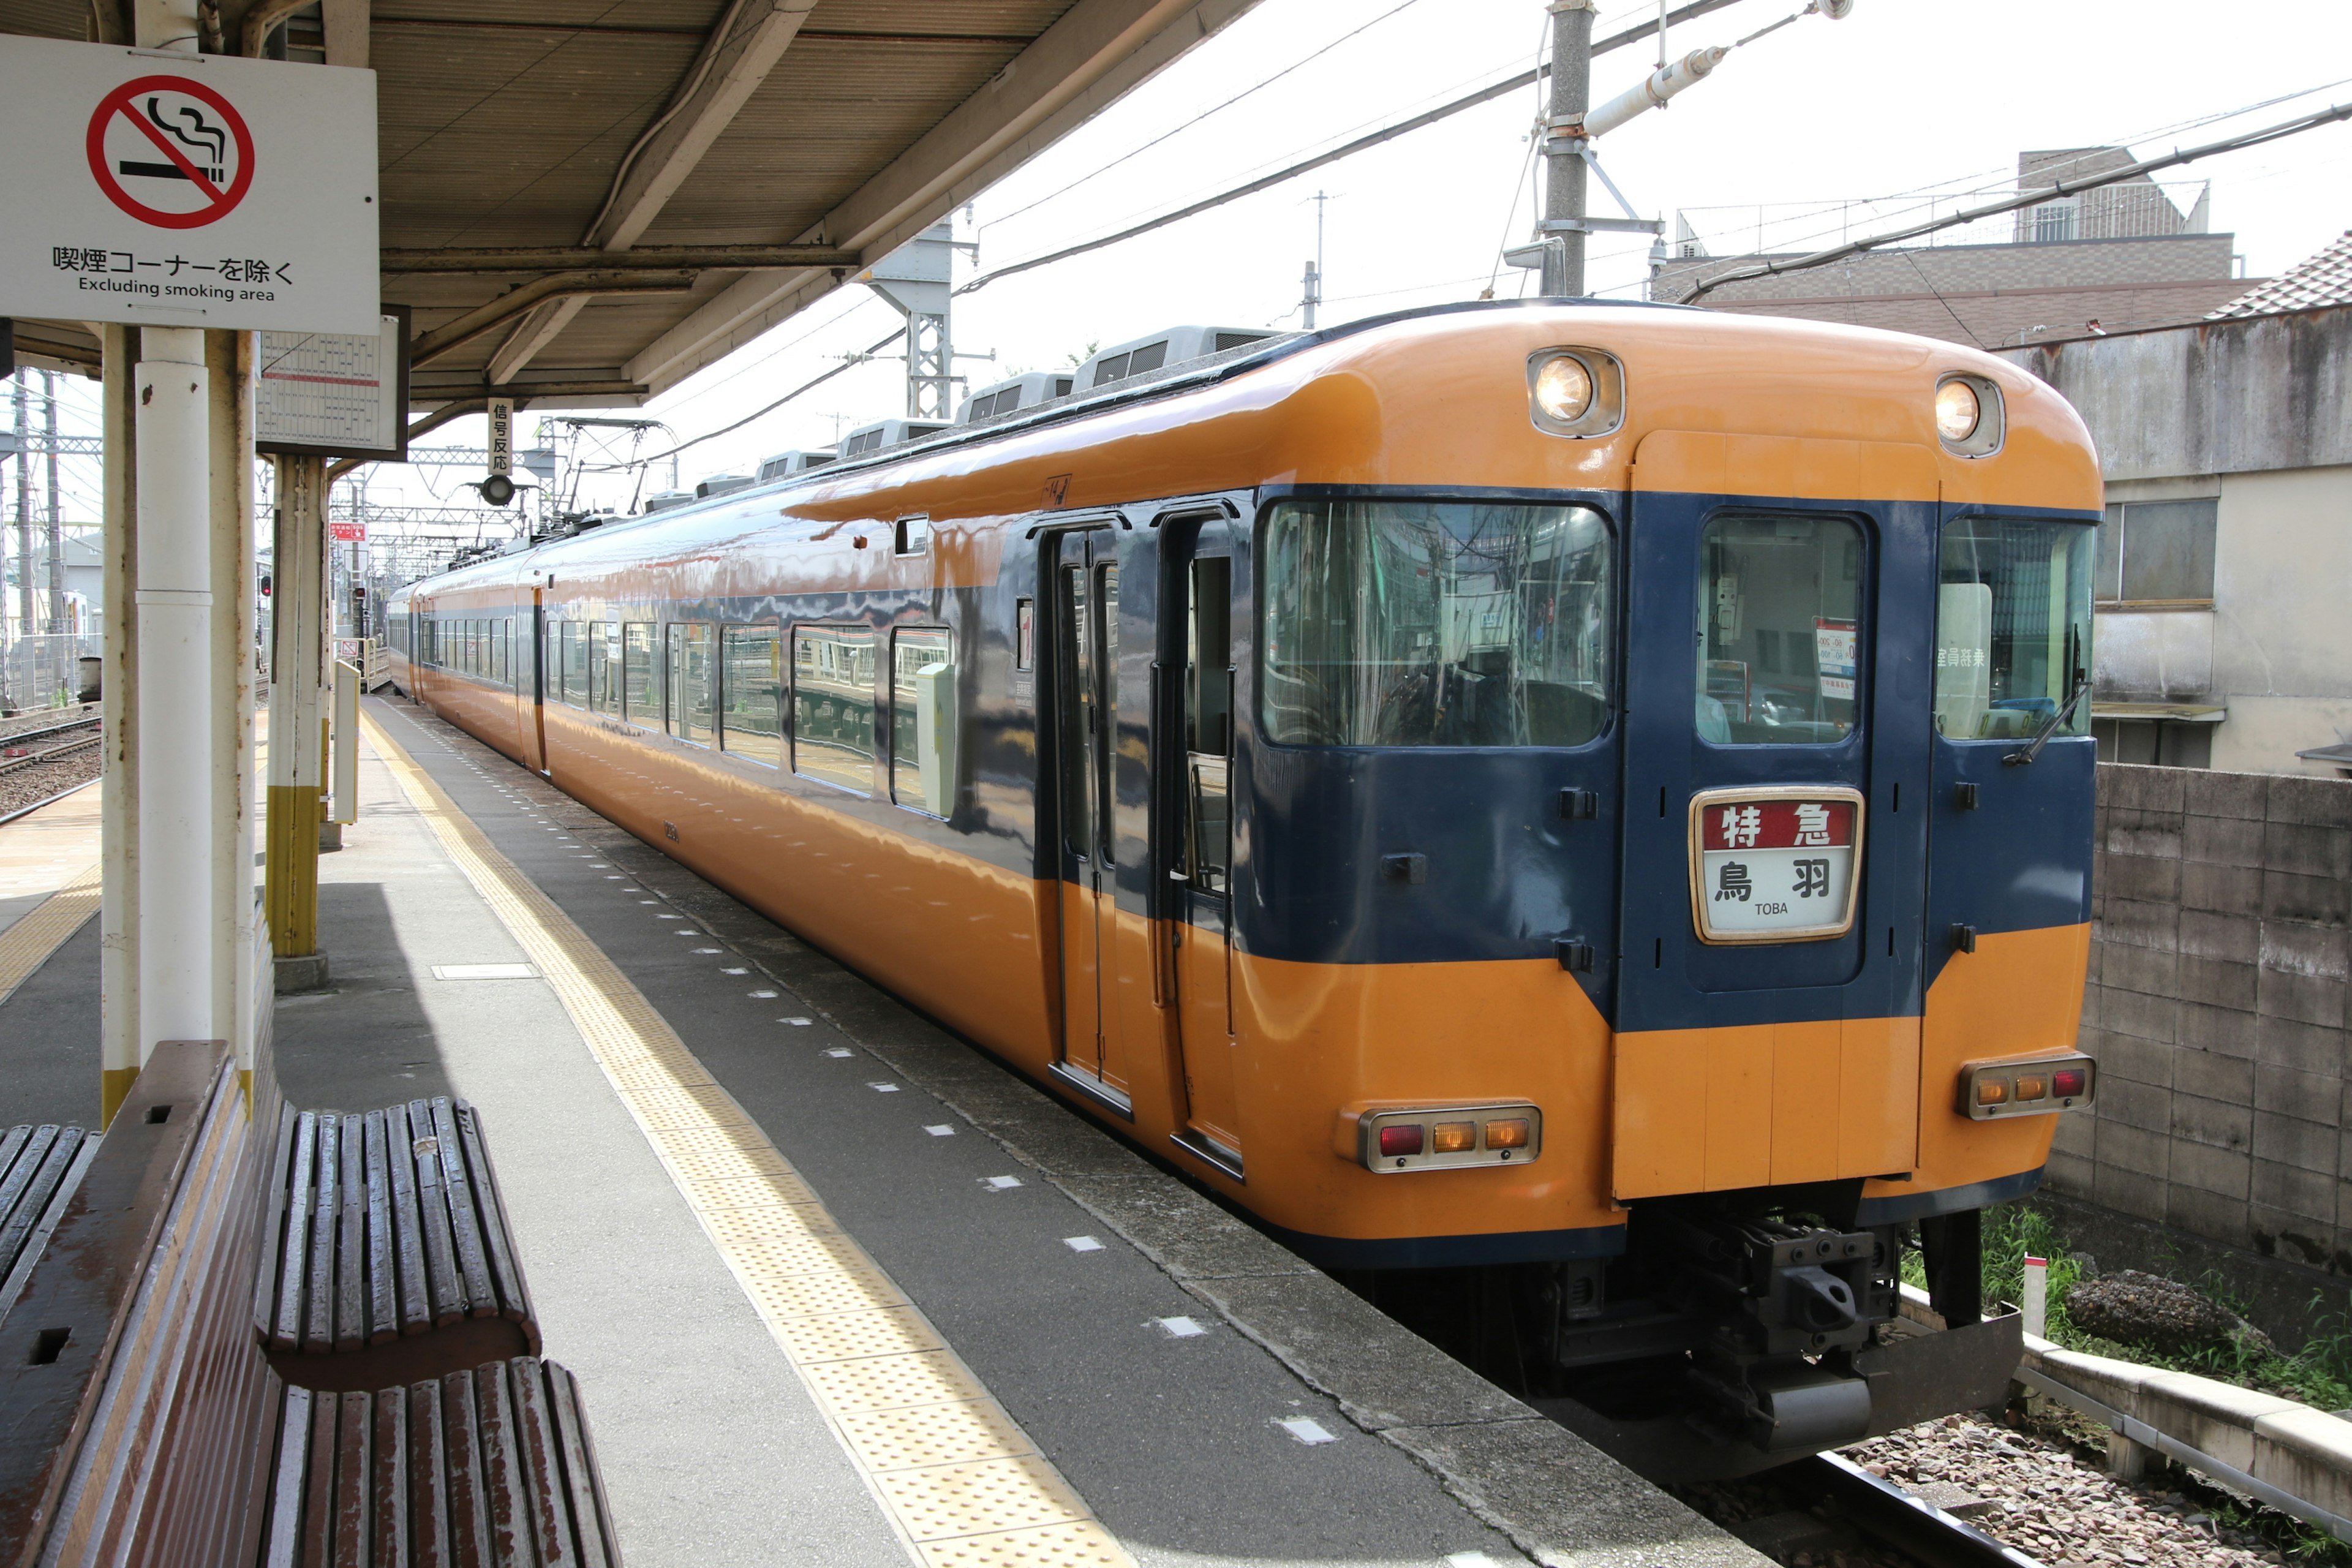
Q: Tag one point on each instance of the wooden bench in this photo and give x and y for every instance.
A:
(479, 1469)
(40, 1168)
(387, 1258)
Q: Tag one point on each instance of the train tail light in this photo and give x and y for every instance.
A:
(2036, 1086)
(1444, 1137)
(1511, 1132)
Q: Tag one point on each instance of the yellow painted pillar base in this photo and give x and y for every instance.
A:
(114, 1088)
(290, 879)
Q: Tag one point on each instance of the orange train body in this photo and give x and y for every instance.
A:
(1236, 927)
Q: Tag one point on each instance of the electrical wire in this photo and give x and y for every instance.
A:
(1205, 114)
(809, 386)
(718, 36)
(1486, 94)
(2035, 198)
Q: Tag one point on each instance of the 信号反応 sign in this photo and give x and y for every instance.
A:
(191, 191)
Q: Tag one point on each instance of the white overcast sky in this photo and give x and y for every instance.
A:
(1902, 96)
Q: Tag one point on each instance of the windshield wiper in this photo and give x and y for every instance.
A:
(2050, 727)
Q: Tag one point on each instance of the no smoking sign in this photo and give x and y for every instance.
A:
(171, 152)
(186, 190)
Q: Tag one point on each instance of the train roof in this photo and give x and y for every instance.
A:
(1750, 345)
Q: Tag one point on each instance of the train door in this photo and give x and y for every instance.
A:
(1193, 796)
(538, 674)
(1769, 995)
(1083, 573)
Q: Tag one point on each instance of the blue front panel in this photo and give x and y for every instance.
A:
(1669, 979)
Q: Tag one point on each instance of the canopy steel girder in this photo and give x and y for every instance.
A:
(759, 152)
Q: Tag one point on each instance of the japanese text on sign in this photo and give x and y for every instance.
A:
(1775, 868)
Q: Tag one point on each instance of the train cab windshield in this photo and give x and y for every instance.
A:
(1435, 624)
(2012, 627)
(1779, 619)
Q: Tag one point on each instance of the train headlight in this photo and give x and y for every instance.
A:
(1564, 389)
(1956, 411)
(2027, 1087)
(1969, 415)
(1575, 392)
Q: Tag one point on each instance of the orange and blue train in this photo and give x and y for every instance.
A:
(1576, 818)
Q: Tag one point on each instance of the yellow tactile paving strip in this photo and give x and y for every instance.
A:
(957, 1476)
(26, 945)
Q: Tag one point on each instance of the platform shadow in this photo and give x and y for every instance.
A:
(365, 1040)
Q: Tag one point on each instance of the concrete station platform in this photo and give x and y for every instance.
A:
(839, 1289)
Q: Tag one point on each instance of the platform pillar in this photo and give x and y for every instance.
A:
(117, 790)
(296, 720)
(235, 668)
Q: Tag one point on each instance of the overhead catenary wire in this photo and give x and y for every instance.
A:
(809, 386)
(1486, 94)
(2035, 198)
(1188, 124)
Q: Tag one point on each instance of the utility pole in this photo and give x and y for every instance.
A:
(24, 519)
(1571, 88)
(68, 671)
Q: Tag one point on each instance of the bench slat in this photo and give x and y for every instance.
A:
(353, 1262)
(286, 1231)
(497, 1236)
(382, 1255)
(407, 1223)
(354, 1468)
(582, 1481)
(445, 1292)
(541, 1468)
(470, 1508)
(284, 1543)
(325, 1176)
(465, 1222)
(428, 1478)
(388, 1478)
(502, 1474)
(43, 1165)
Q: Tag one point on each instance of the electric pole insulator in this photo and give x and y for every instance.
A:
(1655, 90)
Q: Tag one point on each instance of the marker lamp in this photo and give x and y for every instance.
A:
(1441, 1138)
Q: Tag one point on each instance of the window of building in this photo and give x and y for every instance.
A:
(752, 719)
(2012, 627)
(2158, 552)
(2054, 222)
(1435, 624)
(922, 719)
(1779, 631)
(691, 680)
(832, 705)
(640, 690)
(2154, 742)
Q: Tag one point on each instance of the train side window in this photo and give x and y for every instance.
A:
(640, 696)
(1207, 849)
(690, 680)
(751, 711)
(832, 705)
(500, 645)
(923, 719)
(1779, 631)
(1403, 623)
(598, 702)
(571, 662)
(2012, 627)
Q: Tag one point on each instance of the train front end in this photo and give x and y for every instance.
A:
(1664, 832)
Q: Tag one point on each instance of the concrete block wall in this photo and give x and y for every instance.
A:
(2216, 1009)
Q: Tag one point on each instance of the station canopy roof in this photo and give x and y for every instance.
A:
(587, 201)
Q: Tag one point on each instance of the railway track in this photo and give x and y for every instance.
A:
(59, 759)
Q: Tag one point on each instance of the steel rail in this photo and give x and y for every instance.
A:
(54, 754)
(8, 817)
(1909, 1523)
(10, 740)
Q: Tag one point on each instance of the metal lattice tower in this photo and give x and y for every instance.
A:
(914, 280)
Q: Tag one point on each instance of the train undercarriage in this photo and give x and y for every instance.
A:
(1737, 1331)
